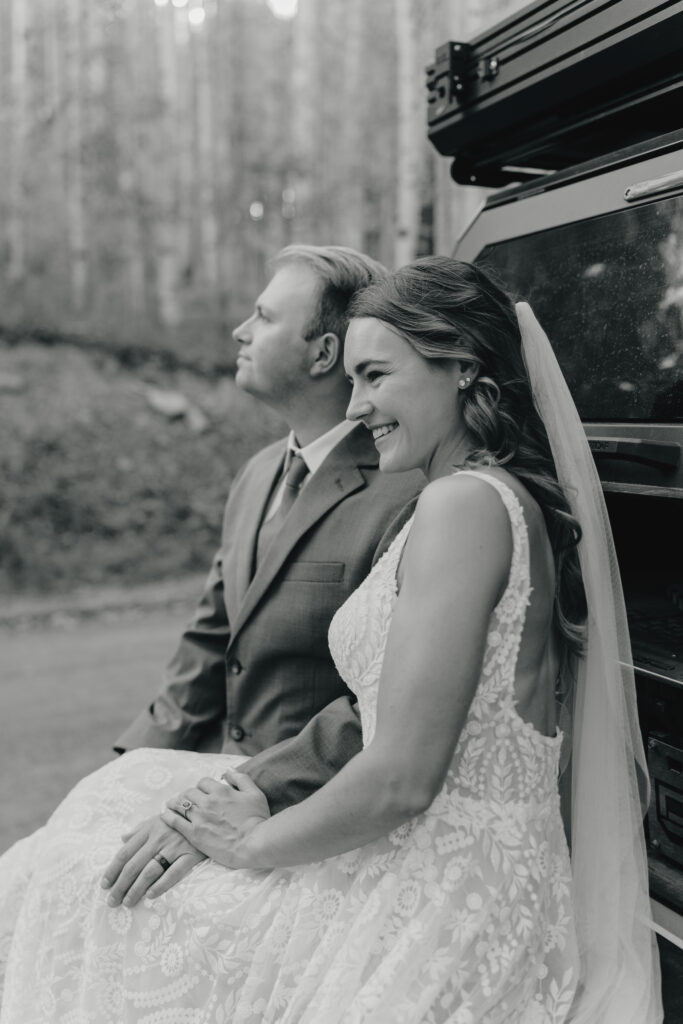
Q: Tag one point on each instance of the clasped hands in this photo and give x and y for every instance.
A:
(216, 825)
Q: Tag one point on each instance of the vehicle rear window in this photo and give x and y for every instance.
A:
(609, 293)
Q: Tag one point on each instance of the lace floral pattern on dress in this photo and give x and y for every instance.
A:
(460, 916)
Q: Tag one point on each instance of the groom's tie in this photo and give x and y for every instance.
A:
(296, 472)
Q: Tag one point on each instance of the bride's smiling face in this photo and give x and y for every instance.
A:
(410, 404)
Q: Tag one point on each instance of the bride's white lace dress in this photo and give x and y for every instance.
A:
(462, 915)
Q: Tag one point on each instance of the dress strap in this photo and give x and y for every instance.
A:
(392, 556)
(510, 612)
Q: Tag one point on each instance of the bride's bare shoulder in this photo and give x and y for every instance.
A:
(461, 494)
(462, 516)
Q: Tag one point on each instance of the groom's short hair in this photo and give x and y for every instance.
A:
(343, 272)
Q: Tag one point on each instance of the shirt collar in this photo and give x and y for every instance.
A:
(315, 453)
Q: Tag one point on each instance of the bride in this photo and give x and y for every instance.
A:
(430, 880)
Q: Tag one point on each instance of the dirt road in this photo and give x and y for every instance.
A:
(65, 694)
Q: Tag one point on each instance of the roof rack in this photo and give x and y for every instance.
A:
(561, 82)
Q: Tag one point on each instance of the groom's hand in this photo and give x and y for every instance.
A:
(134, 873)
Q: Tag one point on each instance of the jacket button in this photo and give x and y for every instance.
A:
(234, 667)
(237, 732)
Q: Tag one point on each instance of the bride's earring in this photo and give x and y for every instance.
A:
(464, 382)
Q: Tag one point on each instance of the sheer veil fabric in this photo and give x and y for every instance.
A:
(609, 787)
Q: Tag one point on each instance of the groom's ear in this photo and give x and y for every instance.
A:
(325, 353)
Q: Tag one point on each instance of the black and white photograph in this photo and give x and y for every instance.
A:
(341, 494)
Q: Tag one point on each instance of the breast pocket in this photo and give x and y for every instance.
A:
(315, 572)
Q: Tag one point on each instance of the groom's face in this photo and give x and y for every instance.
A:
(273, 360)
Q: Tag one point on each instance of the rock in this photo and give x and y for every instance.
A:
(171, 404)
(175, 405)
(196, 420)
(12, 382)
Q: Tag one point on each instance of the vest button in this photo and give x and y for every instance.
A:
(234, 668)
(237, 732)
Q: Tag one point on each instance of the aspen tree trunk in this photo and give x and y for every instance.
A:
(204, 162)
(54, 80)
(125, 32)
(97, 132)
(303, 120)
(233, 22)
(76, 13)
(378, 114)
(192, 182)
(333, 115)
(5, 127)
(42, 173)
(166, 222)
(410, 128)
(56, 83)
(19, 126)
(184, 145)
(355, 92)
(50, 63)
(220, 32)
(272, 56)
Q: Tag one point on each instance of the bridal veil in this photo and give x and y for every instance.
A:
(609, 781)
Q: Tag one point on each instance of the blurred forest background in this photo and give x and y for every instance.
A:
(153, 155)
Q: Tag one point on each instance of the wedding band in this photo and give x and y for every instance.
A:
(185, 806)
(161, 860)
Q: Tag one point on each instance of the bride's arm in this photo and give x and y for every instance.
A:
(455, 568)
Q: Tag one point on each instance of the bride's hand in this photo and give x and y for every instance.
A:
(217, 817)
(137, 871)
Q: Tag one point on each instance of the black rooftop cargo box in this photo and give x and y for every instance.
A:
(556, 83)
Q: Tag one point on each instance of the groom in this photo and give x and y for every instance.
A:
(303, 523)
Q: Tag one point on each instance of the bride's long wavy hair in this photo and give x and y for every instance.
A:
(447, 309)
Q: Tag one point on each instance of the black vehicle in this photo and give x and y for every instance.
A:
(576, 109)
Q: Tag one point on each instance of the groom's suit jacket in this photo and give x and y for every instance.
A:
(253, 668)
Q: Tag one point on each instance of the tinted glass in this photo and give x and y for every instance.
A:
(609, 293)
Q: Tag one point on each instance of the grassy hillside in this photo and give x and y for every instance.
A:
(98, 484)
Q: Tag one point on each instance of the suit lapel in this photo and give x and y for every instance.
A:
(246, 527)
(338, 477)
